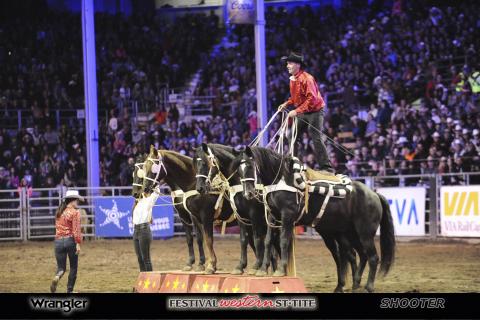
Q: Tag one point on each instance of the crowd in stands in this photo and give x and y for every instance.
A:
(411, 108)
(41, 58)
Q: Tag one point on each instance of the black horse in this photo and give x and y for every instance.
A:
(181, 178)
(352, 221)
(250, 212)
(179, 173)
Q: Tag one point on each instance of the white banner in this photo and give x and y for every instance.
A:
(459, 211)
(407, 206)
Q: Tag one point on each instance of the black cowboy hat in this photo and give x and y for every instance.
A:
(294, 57)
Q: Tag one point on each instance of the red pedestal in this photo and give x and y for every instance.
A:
(208, 283)
(263, 285)
(177, 282)
(195, 282)
(149, 282)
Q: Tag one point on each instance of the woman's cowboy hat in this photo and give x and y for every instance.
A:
(294, 57)
(73, 194)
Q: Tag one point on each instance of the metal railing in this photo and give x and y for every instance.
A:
(12, 216)
(22, 118)
(30, 214)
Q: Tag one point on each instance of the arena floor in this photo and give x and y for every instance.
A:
(111, 265)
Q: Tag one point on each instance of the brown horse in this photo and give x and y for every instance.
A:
(178, 179)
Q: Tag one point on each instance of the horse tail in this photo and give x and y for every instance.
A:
(387, 237)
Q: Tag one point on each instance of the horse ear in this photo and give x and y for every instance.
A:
(205, 147)
(248, 151)
(152, 149)
(238, 149)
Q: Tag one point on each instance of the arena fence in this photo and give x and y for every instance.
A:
(12, 215)
(29, 214)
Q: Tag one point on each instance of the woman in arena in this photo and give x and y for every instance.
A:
(68, 236)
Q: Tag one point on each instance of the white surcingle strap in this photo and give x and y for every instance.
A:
(324, 206)
(185, 195)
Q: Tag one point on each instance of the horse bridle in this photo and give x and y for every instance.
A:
(156, 168)
(254, 179)
(212, 163)
(139, 166)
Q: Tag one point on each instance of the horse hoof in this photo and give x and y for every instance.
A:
(252, 272)
(187, 268)
(209, 270)
(279, 273)
(261, 273)
(369, 289)
(236, 271)
(355, 286)
(200, 267)
(338, 290)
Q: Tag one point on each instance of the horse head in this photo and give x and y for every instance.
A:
(206, 168)
(247, 170)
(154, 170)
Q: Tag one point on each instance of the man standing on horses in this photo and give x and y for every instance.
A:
(309, 104)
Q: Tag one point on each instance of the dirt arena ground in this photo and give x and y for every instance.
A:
(111, 265)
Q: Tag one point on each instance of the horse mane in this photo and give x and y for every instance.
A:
(226, 151)
(270, 164)
(226, 156)
(184, 162)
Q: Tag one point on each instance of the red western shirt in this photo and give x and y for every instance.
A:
(304, 93)
(69, 225)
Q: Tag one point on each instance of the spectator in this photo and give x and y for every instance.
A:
(392, 67)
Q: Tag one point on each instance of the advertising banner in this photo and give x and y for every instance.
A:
(407, 206)
(459, 211)
(113, 217)
(241, 11)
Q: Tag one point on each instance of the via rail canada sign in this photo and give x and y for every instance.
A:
(459, 211)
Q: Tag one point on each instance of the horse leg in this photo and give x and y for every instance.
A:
(191, 252)
(333, 248)
(286, 235)
(357, 278)
(347, 255)
(243, 250)
(263, 271)
(259, 252)
(352, 258)
(372, 255)
(250, 238)
(276, 244)
(207, 230)
(201, 252)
